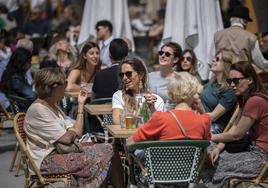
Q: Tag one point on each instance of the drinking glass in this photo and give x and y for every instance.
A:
(129, 119)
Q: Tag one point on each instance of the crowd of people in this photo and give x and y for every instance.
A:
(204, 107)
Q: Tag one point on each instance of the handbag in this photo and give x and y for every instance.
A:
(237, 146)
(74, 147)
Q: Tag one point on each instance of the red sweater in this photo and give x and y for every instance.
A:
(163, 126)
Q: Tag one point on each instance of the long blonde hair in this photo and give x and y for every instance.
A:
(228, 57)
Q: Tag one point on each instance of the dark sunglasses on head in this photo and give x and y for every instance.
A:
(167, 54)
(234, 80)
(128, 74)
(190, 59)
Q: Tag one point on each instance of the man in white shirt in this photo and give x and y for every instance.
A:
(242, 42)
(104, 29)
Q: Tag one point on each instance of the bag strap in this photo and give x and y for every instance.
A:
(179, 124)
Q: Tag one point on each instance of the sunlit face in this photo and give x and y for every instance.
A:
(186, 64)
(238, 82)
(166, 56)
(58, 91)
(92, 56)
(101, 32)
(217, 64)
(130, 78)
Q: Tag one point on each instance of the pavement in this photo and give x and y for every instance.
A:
(7, 146)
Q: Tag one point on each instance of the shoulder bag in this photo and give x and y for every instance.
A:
(180, 125)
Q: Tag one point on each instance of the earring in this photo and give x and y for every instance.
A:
(140, 85)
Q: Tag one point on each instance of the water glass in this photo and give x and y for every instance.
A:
(122, 120)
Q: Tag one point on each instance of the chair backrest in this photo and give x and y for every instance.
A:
(14, 102)
(233, 118)
(172, 161)
(107, 118)
(21, 137)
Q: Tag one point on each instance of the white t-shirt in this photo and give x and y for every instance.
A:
(43, 128)
(118, 102)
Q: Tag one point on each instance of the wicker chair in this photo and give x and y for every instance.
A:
(246, 182)
(170, 162)
(5, 115)
(38, 178)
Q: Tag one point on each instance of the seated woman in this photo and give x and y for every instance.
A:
(182, 88)
(188, 63)
(217, 99)
(47, 124)
(133, 79)
(14, 78)
(253, 117)
(169, 55)
(84, 70)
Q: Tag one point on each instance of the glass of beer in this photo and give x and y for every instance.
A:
(129, 120)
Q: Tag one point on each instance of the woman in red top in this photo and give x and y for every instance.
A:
(253, 119)
(182, 88)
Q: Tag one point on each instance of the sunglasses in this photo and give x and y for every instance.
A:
(190, 59)
(167, 54)
(128, 74)
(234, 80)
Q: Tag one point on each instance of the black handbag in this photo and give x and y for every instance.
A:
(237, 146)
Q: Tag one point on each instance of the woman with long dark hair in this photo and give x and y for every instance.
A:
(14, 78)
(252, 119)
(83, 71)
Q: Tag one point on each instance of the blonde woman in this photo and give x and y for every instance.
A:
(182, 89)
(217, 99)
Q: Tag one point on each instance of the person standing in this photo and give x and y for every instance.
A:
(242, 42)
(104, 29)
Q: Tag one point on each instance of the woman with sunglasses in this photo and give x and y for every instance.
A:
(133, 82)
(188, 63)
(217, 99)
(168, 56)
(253, 119)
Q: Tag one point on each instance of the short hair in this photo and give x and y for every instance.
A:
(175, 47)
(182, 86)
(118, 49)
(105, 23)
(47, 79)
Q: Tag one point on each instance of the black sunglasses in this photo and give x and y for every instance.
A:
(167, 54)
(234, 80)
(190, 59)
(128, 74)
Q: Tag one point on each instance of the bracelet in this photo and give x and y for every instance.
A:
(80, 113)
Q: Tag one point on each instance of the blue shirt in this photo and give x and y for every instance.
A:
(213, 95)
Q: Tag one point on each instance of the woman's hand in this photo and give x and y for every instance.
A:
(82, 96)
(197, 104)
(150, 99)
(214, 155)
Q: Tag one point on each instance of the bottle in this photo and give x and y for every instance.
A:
(144, 112)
